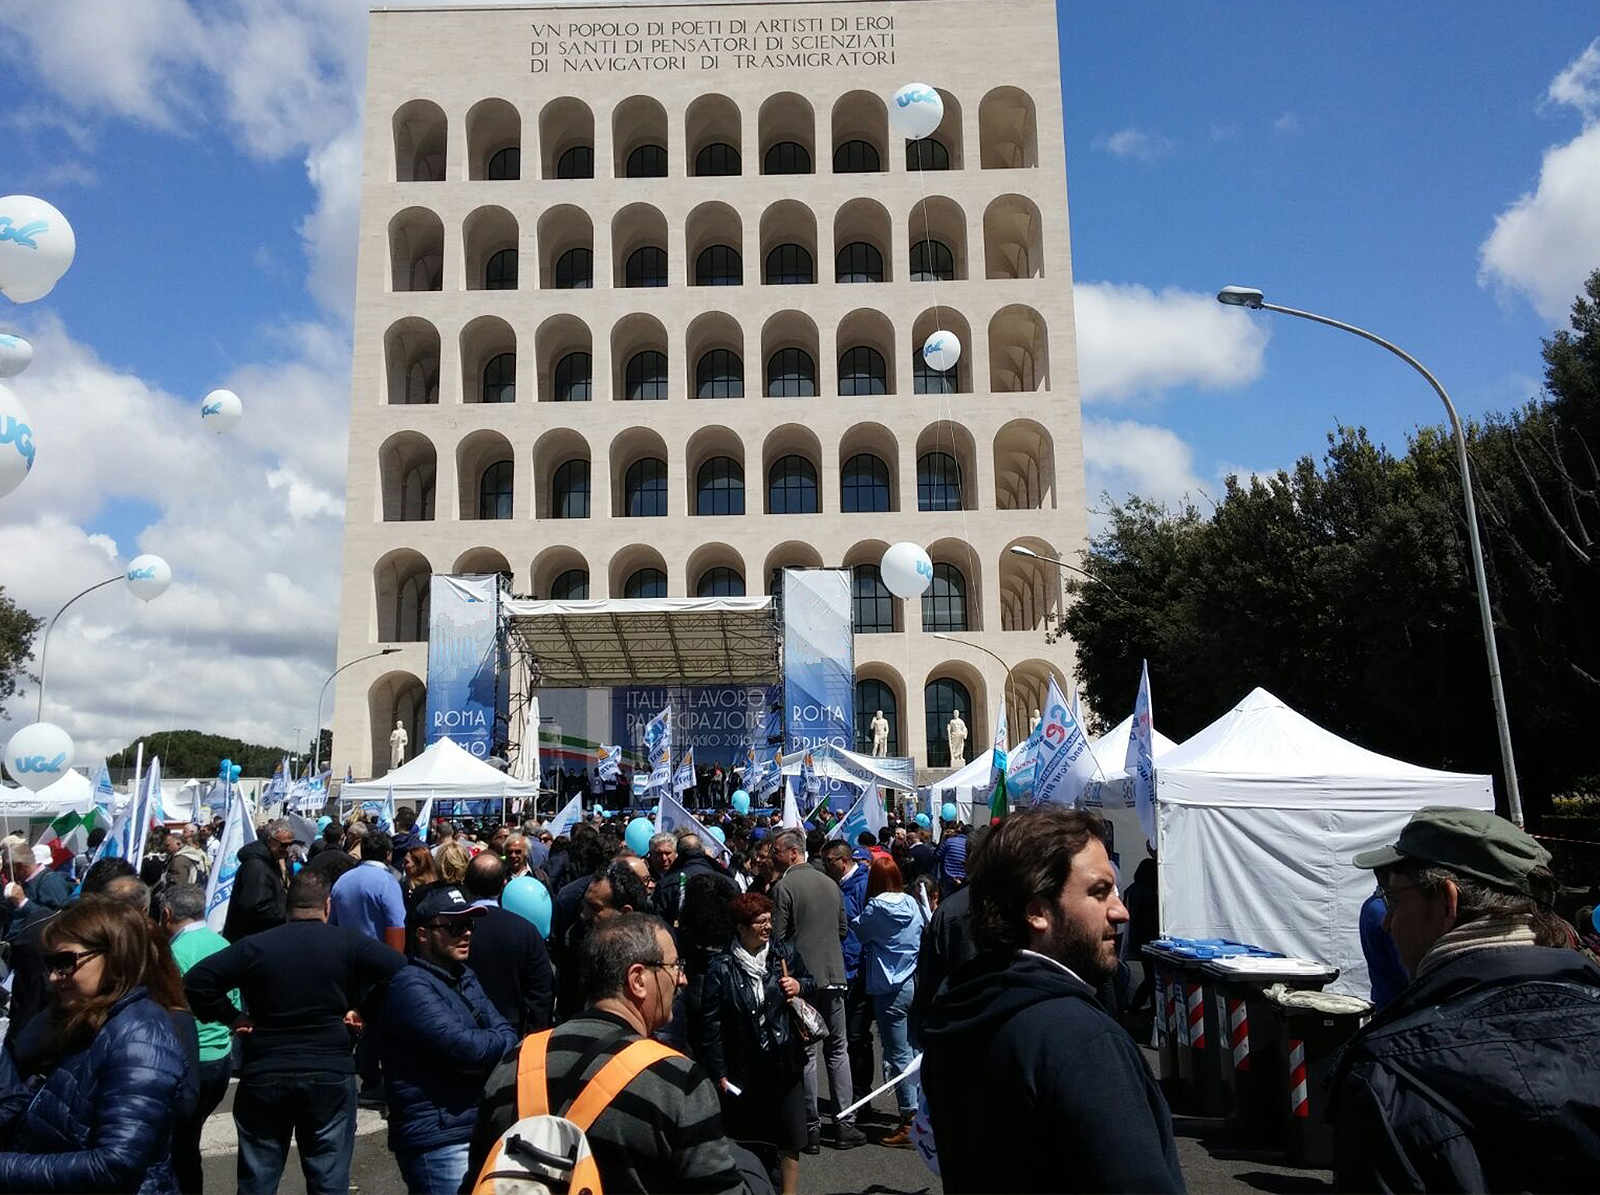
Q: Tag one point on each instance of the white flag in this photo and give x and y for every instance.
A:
(684, 777)
(671, 817)
(865, 816)
(658, 750)
(608, 763)
(425, 819)
(236, 833)
(791, 810)
(569, 816)
(1140, 760)
(147, 805)
(1064, 764)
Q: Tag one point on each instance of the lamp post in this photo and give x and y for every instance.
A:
(1019, 550)
(1007, 688)
(44, 644)
(316, 748)
(1245, 296)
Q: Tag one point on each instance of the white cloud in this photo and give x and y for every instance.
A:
(1123, 457)
(1133, 341)
(1135, 143)
(1547, 242)
(1287, 123)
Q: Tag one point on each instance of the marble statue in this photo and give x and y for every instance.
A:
(1033, 722)
(880, 735)
(955, 733)
(397, 745)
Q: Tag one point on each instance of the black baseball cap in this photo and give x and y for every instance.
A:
(441, 900)
(1470, 842)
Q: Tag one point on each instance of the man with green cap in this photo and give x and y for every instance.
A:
(1484, 1073)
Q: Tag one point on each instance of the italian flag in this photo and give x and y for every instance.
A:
(70, 831)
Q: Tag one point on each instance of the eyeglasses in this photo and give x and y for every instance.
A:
(67, 962)
(1390, 893)
(761, 923)
(456, 927)
(677, 965)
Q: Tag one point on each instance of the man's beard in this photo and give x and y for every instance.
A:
(1084, 951)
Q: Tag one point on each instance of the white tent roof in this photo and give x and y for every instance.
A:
(73, 793)
(1258, 817)
(444, 769)
(1110, 750)
(976, 774)
(835, 763)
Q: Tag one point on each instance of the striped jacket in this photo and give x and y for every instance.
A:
(663, 1133)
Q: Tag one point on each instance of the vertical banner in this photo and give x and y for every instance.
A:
(819, 668)
(236, 833)
(1140, 760)
(463, 661)
(658, 751)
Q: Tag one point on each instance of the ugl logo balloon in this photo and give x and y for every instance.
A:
(16, 442)
(38, 755)
(36, 247)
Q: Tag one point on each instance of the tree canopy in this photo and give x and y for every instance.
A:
(17, 629)
(195, 753)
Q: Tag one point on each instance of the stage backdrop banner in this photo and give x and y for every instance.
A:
(819, 668)
(712, 720)
(463, 661)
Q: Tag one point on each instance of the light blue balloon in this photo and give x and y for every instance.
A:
(638, 835)
(741, 802)
(530, 900)
(601, 813)
(947, 812)
(235, 771)
(924, 820)
(227, 765)
(716, 832)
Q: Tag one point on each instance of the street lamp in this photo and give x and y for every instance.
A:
(1245, 296)
(1019, 550)
(1006, 694)
(44, 644)
(316, 749)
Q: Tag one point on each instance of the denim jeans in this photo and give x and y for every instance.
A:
(894, 1011)
(436, 1171)
(186, 1166)
(318, 1108)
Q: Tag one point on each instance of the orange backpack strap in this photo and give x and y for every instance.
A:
(533, 1097)
(626, 1066)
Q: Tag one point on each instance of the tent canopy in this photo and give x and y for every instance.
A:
(1258, 817)
(445, 770)
(1110, 750)
(614, 642)
(831, 762)
(73, 793)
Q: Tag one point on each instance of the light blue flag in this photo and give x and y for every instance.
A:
(570, 815)
(608, 763)
(236, 833)
(425, 819)
(1140, 760)
(865, 816)
(684, 778)
(658, 751)
(1064, 765)
(671, 817)
(146, 805)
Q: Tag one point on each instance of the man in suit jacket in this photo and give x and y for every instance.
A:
(508, 953)
(808, 911)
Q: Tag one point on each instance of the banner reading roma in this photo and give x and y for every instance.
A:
(463, 661)
(819, 667)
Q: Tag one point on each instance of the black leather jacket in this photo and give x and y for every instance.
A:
(734, 1037)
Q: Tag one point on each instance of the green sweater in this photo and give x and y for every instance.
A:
(188, 948)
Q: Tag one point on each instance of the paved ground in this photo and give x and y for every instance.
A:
(1212, 1165)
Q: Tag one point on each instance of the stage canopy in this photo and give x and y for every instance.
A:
(617, 642)
(444, 770)
(835, 763)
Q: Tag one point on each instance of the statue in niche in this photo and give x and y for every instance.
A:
(1033, 722)
(398, 741)
(955, 734)
(880, 735)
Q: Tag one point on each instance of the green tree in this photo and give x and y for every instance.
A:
(17, 629)
(195, 753)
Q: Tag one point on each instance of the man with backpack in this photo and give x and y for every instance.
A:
(661, 1130)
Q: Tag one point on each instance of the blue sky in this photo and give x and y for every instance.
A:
(1355, 159)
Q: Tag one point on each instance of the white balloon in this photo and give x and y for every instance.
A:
(148, 577)
(221, 411)
(906, 569)
(36, 247)
(39, 755)
(16, 441)
(16, 354)
(915, 111)
(942, 350)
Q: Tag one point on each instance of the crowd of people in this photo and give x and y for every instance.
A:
(679, 1010)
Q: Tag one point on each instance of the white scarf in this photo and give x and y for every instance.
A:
(754, 967)
(1485, 933)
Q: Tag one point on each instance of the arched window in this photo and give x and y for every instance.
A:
(856, 157)
(872, 605)
(864, 485)
(500, 271)
(417, 493)
(927, 154)
(791, 373)
(790, 265)
(574, 378)
(646, 583)
(646, 267)
(932, 261)
(792, 487)
(719, 487)
(494, 491)
(938, 482)
(506, 164)
(720, 374)
(720, 582)
(648, 161)
(872, 696)
(862, 371)
(500, 378)
(577, 162)
(575, 270)
(717, 160)
(787, 157)
(570, 586)
(925, 379)
(720, 265)
(569, 490)
(941, 699)
(644, 489)
(944, 604)
(859, 262)
(646, 376)
(413, 600)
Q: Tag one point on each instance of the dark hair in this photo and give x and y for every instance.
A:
(332, 833)
(1026, 858)
(103, 872)
(814, 841)
(748, 907)
(613, 946)
(627, 889)
(183, 902)
(486, 875)
(308, 890)
(587, 853)
(97, 836)
(866, 838)
(884, 876)
(705, 921)
(405, 817)
(377, 845)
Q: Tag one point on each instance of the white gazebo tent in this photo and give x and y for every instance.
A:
(1258, 816)
(444, 771)
(1114, 789)
(967, 788)
(73, 793)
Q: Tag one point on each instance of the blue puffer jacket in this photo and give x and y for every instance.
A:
(441, 1036)
(102, 1120)
(854, 889)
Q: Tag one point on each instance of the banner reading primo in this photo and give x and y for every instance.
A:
(818, 667)
(463, 661)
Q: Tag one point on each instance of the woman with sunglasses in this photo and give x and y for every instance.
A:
(88, 1090)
